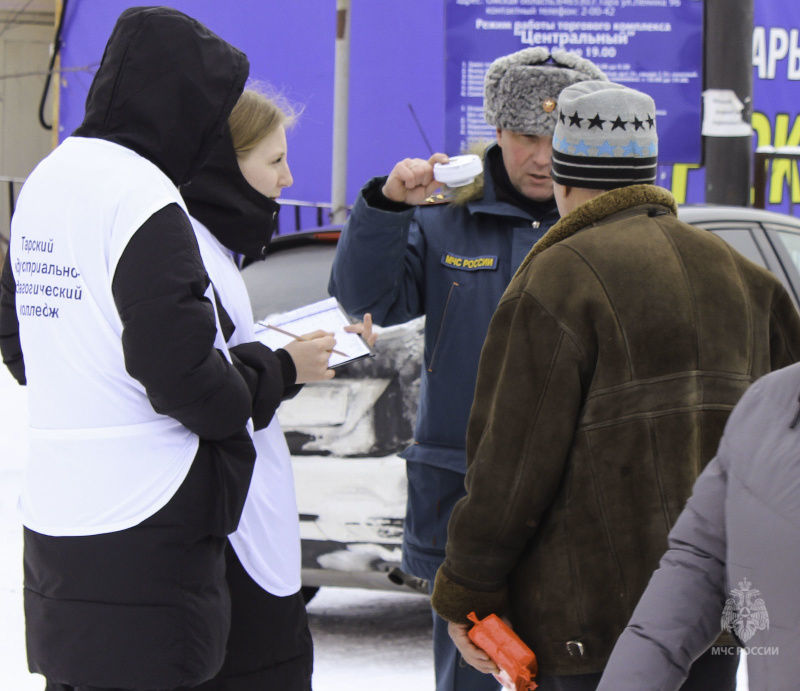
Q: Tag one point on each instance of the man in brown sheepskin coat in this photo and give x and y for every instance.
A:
(609, 370)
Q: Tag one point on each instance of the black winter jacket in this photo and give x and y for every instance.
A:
(147, 607)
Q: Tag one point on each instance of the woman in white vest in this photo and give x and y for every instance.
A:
(141, 452)
(233, 208)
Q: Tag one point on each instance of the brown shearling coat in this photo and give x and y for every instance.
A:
(609, 370)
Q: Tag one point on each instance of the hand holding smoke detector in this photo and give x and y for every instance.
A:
(459, 170)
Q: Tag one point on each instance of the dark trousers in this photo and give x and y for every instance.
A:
(432, 492)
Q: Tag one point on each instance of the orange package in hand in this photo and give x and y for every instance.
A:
(516, 660)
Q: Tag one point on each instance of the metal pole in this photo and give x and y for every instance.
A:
(341, 91)
(729, 65)
(760, 179)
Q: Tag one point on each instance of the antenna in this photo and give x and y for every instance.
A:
(421, 131)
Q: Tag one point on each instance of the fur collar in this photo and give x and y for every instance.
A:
(598, 208)
(461, 196)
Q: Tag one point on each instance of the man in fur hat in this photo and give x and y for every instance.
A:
(609, 370)
(400, 257)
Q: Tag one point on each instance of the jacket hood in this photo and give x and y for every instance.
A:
(218, 196)
(164, 88)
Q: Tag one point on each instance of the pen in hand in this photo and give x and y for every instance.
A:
(300, 338)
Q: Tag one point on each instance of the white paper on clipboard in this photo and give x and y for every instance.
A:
(325, 315)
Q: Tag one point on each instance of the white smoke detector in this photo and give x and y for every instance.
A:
(460, 171)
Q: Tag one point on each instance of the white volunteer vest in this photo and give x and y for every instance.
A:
(101, 459)
(267, 540)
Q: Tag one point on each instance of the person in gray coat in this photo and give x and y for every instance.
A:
(733, 561)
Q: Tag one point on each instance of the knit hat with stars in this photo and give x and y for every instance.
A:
(605, 137)
(520, 89)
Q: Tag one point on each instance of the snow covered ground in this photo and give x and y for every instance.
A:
(364, 639)
(367, 639)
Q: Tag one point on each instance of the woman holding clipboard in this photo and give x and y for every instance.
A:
(232, 202)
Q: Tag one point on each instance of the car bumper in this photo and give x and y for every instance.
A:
(351, 521)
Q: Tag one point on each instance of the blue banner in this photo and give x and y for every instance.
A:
(776, 108)
(655, 46)
(292, 48)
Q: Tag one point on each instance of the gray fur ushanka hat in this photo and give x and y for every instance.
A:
(520, 90)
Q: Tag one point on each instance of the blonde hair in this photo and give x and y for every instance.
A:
(257, 115)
